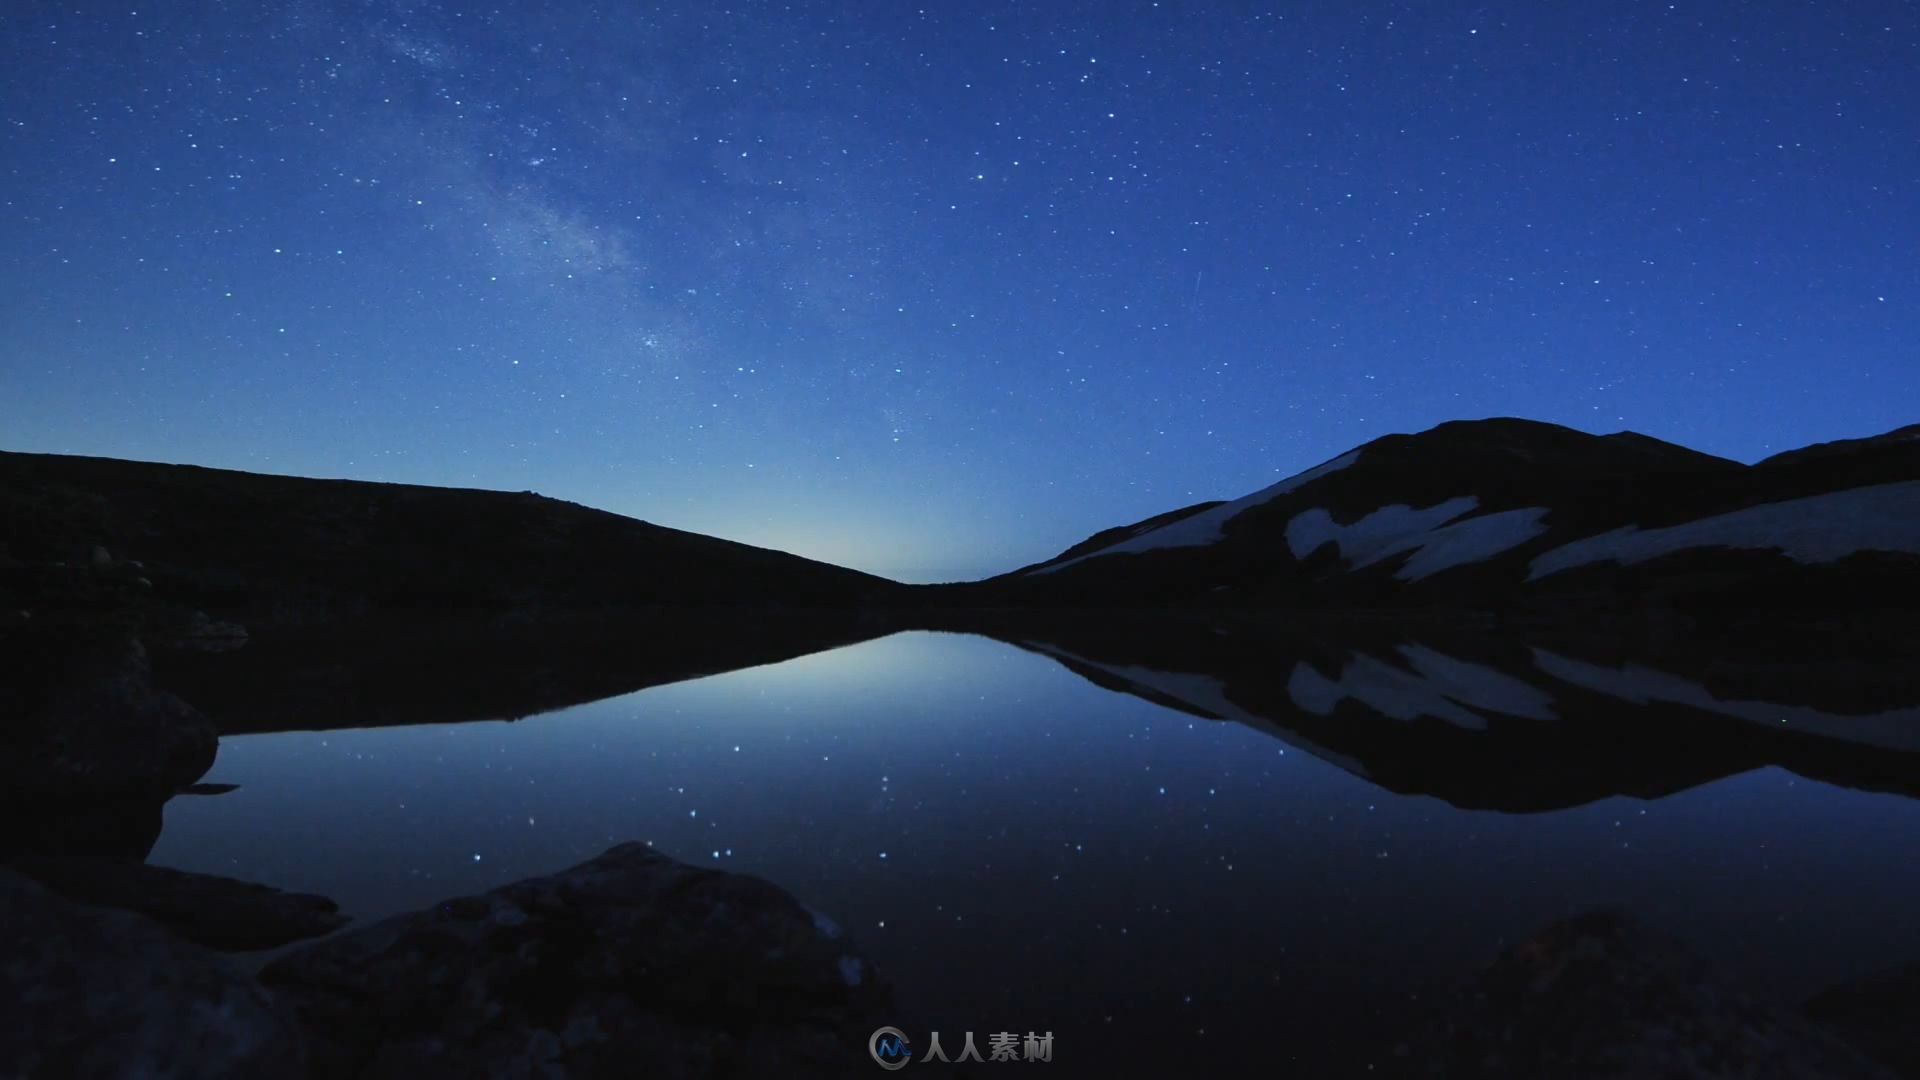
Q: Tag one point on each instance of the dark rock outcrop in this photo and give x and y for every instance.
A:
(116, 828)
(100, 993)
(629, 964)
(214, 911)
(1600, 995)
(83, 721)
(195, 632)
(1880, 1014)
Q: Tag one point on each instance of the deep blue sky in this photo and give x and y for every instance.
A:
(934, 292)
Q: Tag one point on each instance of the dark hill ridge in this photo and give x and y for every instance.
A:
(1873, 445)
(1493, 512)
(287, 550)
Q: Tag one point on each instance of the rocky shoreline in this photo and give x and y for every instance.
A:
(1603, 995)
(636, 961)
(631, 959)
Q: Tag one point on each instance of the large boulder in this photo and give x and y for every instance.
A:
(632, 963)
(83, 721)
(1601, 995)
(217, 912)
(99, 993)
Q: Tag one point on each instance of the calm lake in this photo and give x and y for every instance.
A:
(1019, 849)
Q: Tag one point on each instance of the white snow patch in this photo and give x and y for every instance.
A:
(1205, 527)
(1437, 540)
(1474, 540)
(1894, 729)
(1438, 686)
(1375, 536)
(1816, 528)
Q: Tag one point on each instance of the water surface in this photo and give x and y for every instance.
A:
(1021, 850)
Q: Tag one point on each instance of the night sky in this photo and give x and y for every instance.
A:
(935, 292)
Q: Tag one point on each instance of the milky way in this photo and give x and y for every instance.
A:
(936, 292)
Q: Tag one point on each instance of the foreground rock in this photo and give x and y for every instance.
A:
(119, 828)
(217, 912)
(1600, 995)
(630, 964)
(1880, 1014)
(93, 992)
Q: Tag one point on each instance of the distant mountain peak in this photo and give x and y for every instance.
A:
(1492, 511)
(1538, 440)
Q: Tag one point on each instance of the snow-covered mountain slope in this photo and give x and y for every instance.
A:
(1107, 538)
(1440, 537)
(1810, 529)
(1207, 526)
(1487, 512)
